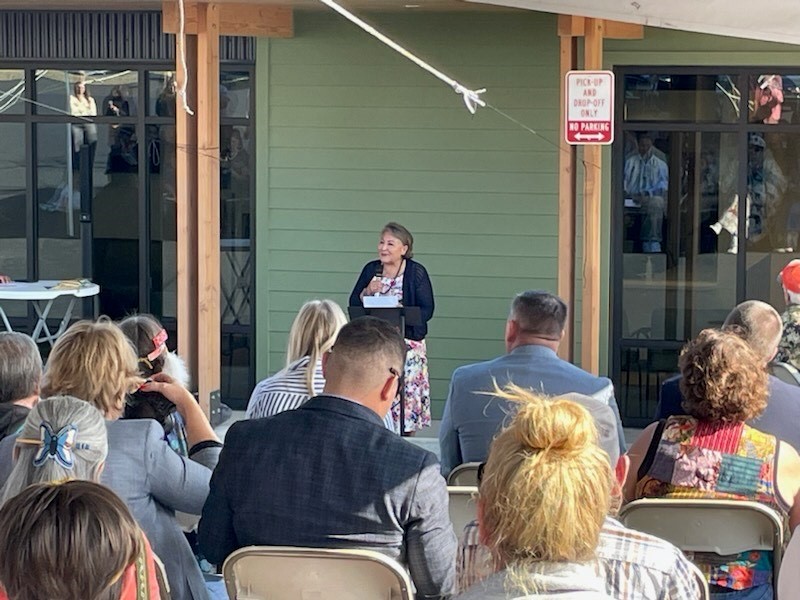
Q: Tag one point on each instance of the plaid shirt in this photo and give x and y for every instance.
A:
(635, 565)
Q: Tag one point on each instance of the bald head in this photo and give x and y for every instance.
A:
(759, 324)
(367, 353)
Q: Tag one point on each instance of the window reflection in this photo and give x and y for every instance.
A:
(161, 93)
(12, 92)
(689, 98)
(106, 93)
(774, 99)
(13, 214)
(234, 94)
(163, 227)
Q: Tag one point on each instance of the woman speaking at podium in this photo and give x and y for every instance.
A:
(395, 274)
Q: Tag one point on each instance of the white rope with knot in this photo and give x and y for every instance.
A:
(472, 98)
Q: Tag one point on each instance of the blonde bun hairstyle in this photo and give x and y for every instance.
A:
(546, 487)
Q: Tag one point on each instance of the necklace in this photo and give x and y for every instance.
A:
(393, 280)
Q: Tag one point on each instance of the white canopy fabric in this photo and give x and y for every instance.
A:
(774, 21)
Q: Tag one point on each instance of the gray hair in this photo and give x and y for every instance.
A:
(759, 324)
(20, 367)
(539, 313)
(89, 452)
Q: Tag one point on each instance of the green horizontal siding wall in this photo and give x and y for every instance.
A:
(351, 135)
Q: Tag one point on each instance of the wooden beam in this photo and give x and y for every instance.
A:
(574, 26)
(208, 210)
(261, 20)
(185, 153)
(567, 194)
(590, 299)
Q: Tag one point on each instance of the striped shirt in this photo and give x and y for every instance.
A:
(286, 390)
(635, 565)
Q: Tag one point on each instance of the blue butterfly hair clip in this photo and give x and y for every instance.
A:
(56, 446)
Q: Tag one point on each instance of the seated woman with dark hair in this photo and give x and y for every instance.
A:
(712, 453)
(544, 495)
(74, 540)
(149, 339)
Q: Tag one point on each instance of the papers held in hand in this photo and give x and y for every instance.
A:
(381, 302)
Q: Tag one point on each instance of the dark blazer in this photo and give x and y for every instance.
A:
(330, 475)
(780, 418)
(417, 291)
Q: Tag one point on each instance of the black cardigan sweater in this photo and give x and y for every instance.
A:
(417, 291)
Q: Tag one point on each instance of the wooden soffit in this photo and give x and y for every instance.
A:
(260, 20)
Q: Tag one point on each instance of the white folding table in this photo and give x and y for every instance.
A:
(42, 295)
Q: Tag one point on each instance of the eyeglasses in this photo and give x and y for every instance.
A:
(400, 380)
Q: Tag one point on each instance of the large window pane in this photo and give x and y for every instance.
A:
(772, 211)
(13, 215)
(113, 152)
(161, 93)
(234, 94)
(161, 196)
(686, 98)
(87, 93)
(774, 99)
(12, 91)
(678, 276)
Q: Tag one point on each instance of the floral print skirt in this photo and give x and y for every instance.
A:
(417, 408)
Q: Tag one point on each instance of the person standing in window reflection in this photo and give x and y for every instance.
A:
(645, 183)
(81, 104)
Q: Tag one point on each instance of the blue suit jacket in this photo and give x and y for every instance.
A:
(471, 418)
(780, 418)
(330, 475)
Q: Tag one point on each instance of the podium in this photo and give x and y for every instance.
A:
(399, 317)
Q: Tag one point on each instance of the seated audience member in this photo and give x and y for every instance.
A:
(95, 362)
(149, 339)
(633, 565)
(62, 438)
(712, 453)
(73, 540)
(789, 345)
(534, 331)
(20, 378)
(544, 494)
(330, 475)
(758, 324)
(312, 334)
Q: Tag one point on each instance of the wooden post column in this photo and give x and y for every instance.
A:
(567, 190)
(208, 209)
(593, 31)
(186, 200)
(590, 314)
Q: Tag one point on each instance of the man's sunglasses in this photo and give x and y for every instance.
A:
(400, 380)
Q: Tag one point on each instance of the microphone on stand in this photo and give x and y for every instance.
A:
(378, 274)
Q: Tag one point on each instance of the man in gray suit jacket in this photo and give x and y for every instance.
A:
(534, 330)
(330, 475)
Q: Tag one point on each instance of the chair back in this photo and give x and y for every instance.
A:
(464, 474)
(789, 575)
(709, 525)
(289, 573)
(785, 372)
(463, 506)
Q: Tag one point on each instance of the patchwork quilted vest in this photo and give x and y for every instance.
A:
(731, 461)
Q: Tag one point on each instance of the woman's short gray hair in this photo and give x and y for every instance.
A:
(20, 367)
(89, 450)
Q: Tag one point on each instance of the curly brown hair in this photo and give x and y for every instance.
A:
(723, 378)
